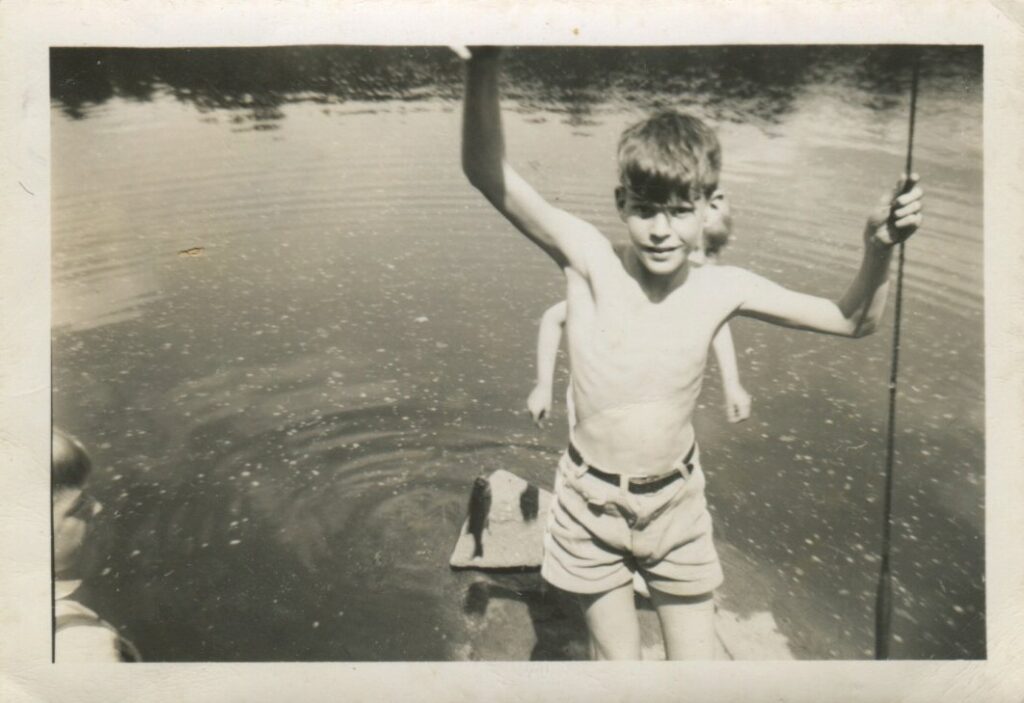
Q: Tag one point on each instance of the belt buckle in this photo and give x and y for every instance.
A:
(639, 482)
(665, 478)
(647, 480)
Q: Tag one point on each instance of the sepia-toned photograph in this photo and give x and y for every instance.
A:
(511, 351)
(428, 353)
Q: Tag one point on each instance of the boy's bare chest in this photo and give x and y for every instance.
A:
(676, 326)
(623, 323)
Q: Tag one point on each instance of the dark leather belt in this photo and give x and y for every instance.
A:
(646, 484)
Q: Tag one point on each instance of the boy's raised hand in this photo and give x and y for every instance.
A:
(898, 214)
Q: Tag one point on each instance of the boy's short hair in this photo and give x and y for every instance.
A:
(69, 464)
(669, 153)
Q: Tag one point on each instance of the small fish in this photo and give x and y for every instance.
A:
(529, 502)
(479, 507)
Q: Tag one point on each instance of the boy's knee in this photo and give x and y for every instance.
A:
(614, 649)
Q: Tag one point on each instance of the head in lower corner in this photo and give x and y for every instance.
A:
(669, 166)
(73, 506)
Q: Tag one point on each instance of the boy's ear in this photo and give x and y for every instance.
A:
(620, 199)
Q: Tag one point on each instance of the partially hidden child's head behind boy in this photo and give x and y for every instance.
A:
(669, 166)
(718, 227)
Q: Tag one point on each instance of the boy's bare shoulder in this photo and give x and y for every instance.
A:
(599, 250)
(733, 281)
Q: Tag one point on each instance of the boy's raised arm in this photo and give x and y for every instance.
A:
(566, 238)
(860, 309)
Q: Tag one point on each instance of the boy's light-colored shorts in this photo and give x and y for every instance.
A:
(598, 534)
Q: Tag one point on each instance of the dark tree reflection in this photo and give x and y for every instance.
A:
(756, 84)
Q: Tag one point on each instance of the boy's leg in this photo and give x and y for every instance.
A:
(687, 624)
(612, 623)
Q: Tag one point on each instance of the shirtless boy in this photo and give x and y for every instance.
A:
(717, 233)
(629, 493)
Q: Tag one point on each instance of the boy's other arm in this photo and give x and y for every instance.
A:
(737, 400)
(548, 339)
(566, 238)
(858, 312)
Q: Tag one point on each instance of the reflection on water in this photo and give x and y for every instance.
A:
(738, 83)
(287, 418)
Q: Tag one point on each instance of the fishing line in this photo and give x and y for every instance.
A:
(883, 600)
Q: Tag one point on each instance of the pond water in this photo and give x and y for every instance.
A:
(291, 335)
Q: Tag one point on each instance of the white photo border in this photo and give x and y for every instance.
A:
(29, 28)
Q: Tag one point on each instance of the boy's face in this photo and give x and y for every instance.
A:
(73, 510)
(663, 234)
